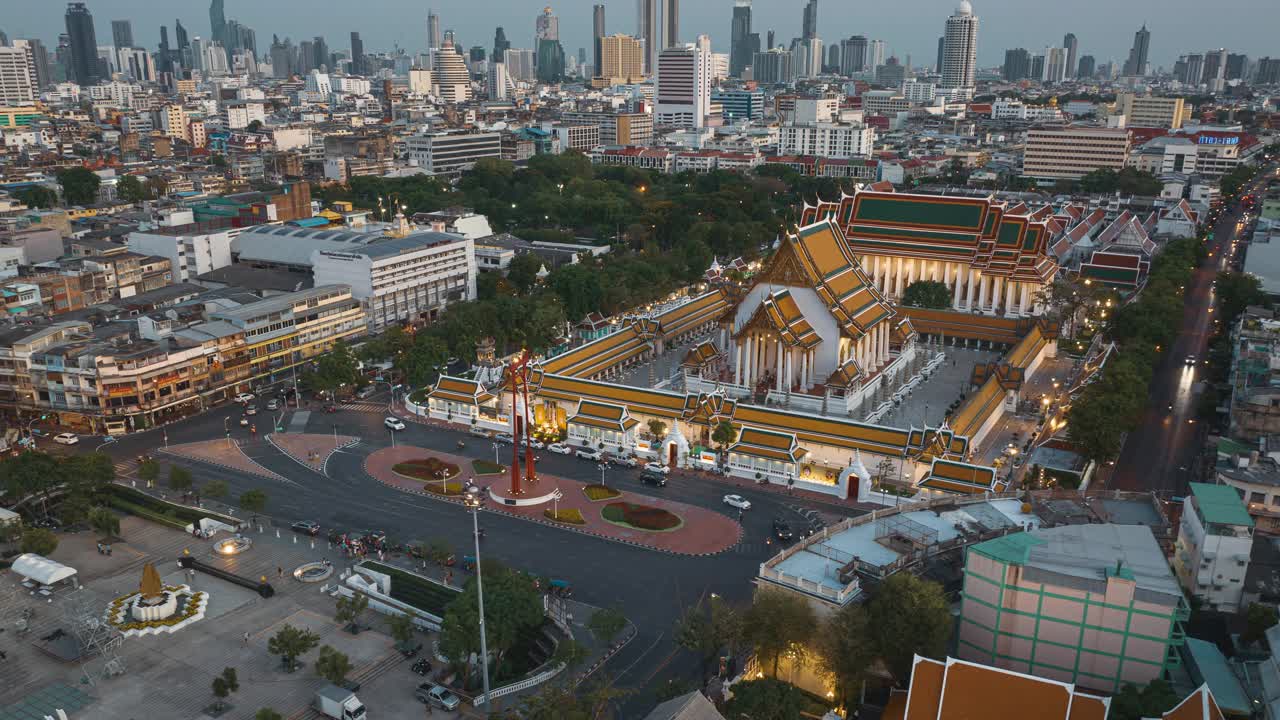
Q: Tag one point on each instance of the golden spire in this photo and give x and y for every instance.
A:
(150, 587)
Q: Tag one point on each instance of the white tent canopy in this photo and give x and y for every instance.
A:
(41, 569)
(9, 516)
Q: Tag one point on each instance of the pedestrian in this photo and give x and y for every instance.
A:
(108, 549)
(279, 571)
(99, 548)
(246, 638)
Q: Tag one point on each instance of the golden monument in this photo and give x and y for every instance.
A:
(150, 587)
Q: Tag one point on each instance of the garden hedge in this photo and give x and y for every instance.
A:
(415, 590)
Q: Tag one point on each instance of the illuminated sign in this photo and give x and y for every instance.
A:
(1208, 140)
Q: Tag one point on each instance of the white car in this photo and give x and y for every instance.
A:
(394, 423)
(244, 397)
(504, 438)
(737, 501)
(589, 454)
(624, 460)
(560, 449)
(535, 444)
(66, 438)
(657, 467)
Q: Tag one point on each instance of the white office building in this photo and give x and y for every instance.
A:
(683, 92)
(448, 153)
(190, 252)
(17, 76)
(829, 140)
(1215, 539)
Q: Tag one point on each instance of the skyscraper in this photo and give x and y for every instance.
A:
(682, 92)
(1055, 66)
(1088, 66)
(1195, 69)
(83, 43)
(671, 22)
(809, 23)
(121, 33)
(942, 50)
(875, 54)
(1136, 65)
(597, 34)
(40, 59)
(17, 76)
(740, 47)
(1215, 68)
(433, 30)
(550, 61)
(546, 26)
(1237, 64)
(770, 36)
(621, 59)
(217, 22)
(500, 44)
(647, 30)
(164, 58)
(960, 61)
(1017, 64)
(321, 50)
(450, 79)
(1071, 44)
(357, 54)
(180, 35)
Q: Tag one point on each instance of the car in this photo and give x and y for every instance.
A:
(244, 422)
(66, 438)
(657, 467)
(1191, 360)
(782, 530)
(394, 423)
(623, 460)
(560, 449)
(250, 409)
(534, 443)
(367, 392)
(737, 501)
(504, 438)
(273, 404)
(372, 535)
(649, 477)
(244, 397)
(437, 696)
(589, 454)
(479, 432)
(306, 527)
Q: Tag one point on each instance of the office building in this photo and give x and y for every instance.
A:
(500, 44)
(597, 34)
(40, 62)
(449, 153)
(409, 279)
(1055, 66)
(450, 80)
(942, 54)
(738, 105)
(1136, 65)
(519, 64)
(648, 32)
(633, 129)
(190, 251)
(773, 67)
(622, 60)
(960, 61)
(137, 63)
(1072, 45)
(1095, 605)
(809, 21)
(498, 83)
(1267, 71)
(549, 62)
(357, 55)
(1070, 153)
(806, 58)
(217, 21)
(1087, 68)
(853, 55)
(918, 92)
(17, 76)
(1017, 65)
(826, 139)
(1147, 111)
(1237, 64)
(1215, 69)
(1215, 538)
(546, 26)
(875, 54)
(435, 37)
(743, 44)
(83, 43)
(670, 23)
(121, 34)
(683, 88)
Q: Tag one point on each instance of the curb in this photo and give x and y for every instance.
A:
(261, 472)
(559, 526)
(324, 464)
(635, 632)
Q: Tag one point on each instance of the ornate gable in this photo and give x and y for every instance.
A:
(786, 267)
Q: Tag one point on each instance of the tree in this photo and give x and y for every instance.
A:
(401, 627)
(1154, 700)
(846, 649)
(707, 631)
(349, 610)
(927, 294)
(253, 126)
(219, 161)
(723, 434)
(909, 617)
(333, 665)
(512, 606)
(39, 541)
(130, 189)
(105, 522)
(36, 196)
(765, 699)
(179, 478)
(223, 686)
(1237, 291)
(336, 368)
(523, 272)
(779, 623)
(157, 187)
(570, 652)
(79, 185)
(149, 471)
(214, 489)
(657, 428)
(255, 501)
(606, 623)
(421, 363)
(290, 642)
(268, 714)
(1258, 618)
(559, 701)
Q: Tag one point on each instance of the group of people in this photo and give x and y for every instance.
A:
(104, 548)
(362, 546)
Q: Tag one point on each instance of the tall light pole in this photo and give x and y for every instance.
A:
(473, 502)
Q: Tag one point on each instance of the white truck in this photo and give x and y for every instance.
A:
(339, 703)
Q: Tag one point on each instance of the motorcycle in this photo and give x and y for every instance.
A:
(461, 445)
(421, 667)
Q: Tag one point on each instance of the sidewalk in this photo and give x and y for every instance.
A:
(703, 532)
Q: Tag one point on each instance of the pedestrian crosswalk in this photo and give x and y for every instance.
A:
(365, 406)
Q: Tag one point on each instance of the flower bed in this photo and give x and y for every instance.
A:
(448, 488)
(192, 606)
(485, 467)
(569, 516)
(598, 492)
(426, 469)
(640, 517)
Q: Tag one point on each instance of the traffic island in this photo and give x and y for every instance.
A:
(224, 453)
(311, 450)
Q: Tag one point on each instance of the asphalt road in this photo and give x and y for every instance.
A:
(1160, 454)
(651, 588)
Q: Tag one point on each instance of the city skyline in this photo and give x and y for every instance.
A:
(383, 25)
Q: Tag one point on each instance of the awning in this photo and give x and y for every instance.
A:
(41, 569)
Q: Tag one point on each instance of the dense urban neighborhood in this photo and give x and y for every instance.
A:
(752, 378)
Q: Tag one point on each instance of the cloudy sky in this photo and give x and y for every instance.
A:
(908, 27)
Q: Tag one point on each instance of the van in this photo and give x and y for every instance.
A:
(653, 477)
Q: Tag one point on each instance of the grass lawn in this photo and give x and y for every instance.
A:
(485, 467)
(598, 492)
(640, 517)
(426, 469)
(448, 487)
(569, 516)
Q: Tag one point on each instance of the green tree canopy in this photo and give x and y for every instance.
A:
(1152, 701)
(512, 605)
(130, 189)
(39, 541)
(523, 272)
(179, 478)
(36, 196)
(333, 665)
(1236, 291)
(846, 648)
(927, 294)
(1258, 618)
(105, 522)
(765, 699)
(779, 623)
(254, 501)
(79, 185)
(334, 369)
(708, 630)
(214, 489)
(290, 643)
(909, 616)
(606, 623)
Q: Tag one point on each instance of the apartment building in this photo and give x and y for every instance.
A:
(407, 280)
(449, 153)
(1070, 153)
(1215, 538)
(616, 128)
(1149, 111)
(577, 136)
(190, 250)
(884, 102)
(832, 140)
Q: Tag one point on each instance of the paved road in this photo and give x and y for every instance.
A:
(651, 588)
(1159, 454)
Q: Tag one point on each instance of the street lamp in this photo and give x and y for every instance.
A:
(473, 501)
(603, 467)
(495, 453)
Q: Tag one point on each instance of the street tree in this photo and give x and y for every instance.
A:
(559, 701)
(79, 185)
(105, 522)
(223, 686)
(927, 294)
(657, 428)
(28, 474)
(1258, 618)
(179, 478)
(291, 642)
(724, 434)
(349, 610)
(1152, 701)
(765, 699)
(333, 665)
(214, 489)
(268, 714)
(423, 360)
(780, 624)
(1236, 291)
(130, 189)
(36, 196)
(254, 501)
(157, 187)
(846, 649)
(401, 628)
(512, 606)
(908, 617)
(570, 652)
(522, 273)
(334, 369)
(149, 471)
(707, 630)
(39, 541)
(606, 623)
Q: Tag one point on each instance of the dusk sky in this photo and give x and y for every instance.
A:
(1104, 27)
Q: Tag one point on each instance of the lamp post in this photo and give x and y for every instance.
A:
(473, 502)
(495, 453)
(603, 467)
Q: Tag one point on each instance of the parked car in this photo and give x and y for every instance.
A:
(649, 477)
(737, 501)
(782, 530)
(623, 460)
(437, 696)
(480, 433)
(534, 443)
(394, 423)
(244, 397)
(66, 438)
(244, 422)
(589, 454)
(273, 404)
(504, 438)
(1191, 360)
(306, 527)
(250, 409)
(657, 467)
(560, 449)
(367, 392)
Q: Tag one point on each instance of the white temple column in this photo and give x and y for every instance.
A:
(737, 366)
(747, 374)
(982, 292)
(724, 338)
(1025, 299)
(897, 277)
(884, 341)
(778, 369)
(1008, 299)
(804, 368)
(955, 299)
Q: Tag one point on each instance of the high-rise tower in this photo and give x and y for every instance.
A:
(217, 22)
(670, 23)
(122, 33)
(741, 48)
(960, 51)
(1136, 65)
(597, 35)
(83, 42)
(648, 31)
(809, 24)
(1072, 45)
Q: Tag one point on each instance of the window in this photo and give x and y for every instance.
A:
(1257, 497)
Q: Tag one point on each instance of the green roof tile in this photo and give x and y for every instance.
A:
(1014, 549)
(1220, 504)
